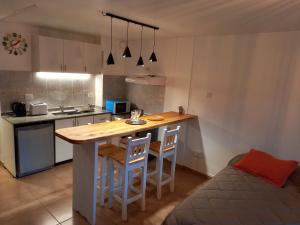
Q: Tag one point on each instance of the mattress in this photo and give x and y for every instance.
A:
(233, 197)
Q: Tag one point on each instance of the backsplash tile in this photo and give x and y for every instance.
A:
(14, 85)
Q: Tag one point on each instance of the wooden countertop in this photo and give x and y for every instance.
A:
(94, 132)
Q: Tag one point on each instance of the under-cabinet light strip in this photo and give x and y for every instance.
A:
(63, 76)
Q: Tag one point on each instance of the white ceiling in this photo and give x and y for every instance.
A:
(174, 17)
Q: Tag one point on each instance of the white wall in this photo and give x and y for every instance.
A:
(245, 91)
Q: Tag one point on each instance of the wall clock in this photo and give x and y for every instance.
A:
(14, 43)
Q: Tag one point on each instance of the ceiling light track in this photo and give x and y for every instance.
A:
(129, 20)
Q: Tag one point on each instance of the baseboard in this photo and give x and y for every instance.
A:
(193, 171)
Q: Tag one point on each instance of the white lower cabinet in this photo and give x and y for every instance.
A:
(64, 149)
(85, 120)
(102, 118)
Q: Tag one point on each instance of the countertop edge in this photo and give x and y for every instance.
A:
(92, 139)
(48, 117)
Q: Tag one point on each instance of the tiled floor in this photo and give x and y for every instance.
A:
(46, 199)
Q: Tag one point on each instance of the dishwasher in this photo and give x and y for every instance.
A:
(34, 144)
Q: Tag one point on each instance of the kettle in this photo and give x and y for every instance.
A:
(19, 108)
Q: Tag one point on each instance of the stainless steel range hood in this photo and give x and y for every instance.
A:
(147, 80)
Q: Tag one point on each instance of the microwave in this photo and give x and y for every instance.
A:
(117, 106)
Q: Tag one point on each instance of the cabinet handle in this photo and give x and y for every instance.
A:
(65, 67)
(61, 67)
(85, 68)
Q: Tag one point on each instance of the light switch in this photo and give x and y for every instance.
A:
(209, 95)
(90, 95)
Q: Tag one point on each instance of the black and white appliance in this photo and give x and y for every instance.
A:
(34, 147)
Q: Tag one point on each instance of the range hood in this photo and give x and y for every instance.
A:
(147, 80)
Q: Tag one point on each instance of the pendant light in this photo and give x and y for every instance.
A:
(140, 61)
(153, 56)
(110, 60)
(127, 53)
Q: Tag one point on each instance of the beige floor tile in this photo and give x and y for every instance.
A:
(31, 213)
(59, 204)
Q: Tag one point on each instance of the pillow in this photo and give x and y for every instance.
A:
(264, 165)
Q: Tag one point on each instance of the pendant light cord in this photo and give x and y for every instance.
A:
(127, 31)
(141, 41)
(153, 39)
(110, 34)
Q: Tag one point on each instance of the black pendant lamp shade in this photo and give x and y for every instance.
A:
(110, 60)
(141, 61)
(127, 53)
(153, 56)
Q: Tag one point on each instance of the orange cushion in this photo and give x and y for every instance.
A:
(265, 165)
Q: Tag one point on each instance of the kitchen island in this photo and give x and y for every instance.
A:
(85, 159)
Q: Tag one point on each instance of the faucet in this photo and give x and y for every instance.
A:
(61, 108)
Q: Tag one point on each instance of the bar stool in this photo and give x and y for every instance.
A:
(104, 150)
(165, 149)
(135, 157)
(124, 141)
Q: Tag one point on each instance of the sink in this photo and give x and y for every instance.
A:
(67, 112)
(71, 112)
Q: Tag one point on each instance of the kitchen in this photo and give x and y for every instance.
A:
(142, 112)
(62, 81)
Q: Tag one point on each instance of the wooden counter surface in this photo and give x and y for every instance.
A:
(94, 132)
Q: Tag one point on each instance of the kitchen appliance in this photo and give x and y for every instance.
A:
(38, 108)
(19, 108)
(117, 106)
(34, 147)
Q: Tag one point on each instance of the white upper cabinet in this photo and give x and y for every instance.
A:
(74, 56)
(58, 55)
(93, 58)
(49, 54)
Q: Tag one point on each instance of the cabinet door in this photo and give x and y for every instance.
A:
(102, 118)
(92, 58)
(63, 149)
(85, 120)
(74, 56)
(50, 54)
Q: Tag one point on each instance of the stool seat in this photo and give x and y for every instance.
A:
(119, 154)
(155, 147)
(105, 150)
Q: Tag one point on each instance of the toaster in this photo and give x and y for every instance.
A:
(38, 109)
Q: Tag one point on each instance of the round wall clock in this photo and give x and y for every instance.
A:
(14, 43)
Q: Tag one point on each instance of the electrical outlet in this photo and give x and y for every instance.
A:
(29, 97)
(90, 95)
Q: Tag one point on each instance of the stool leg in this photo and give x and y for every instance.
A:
(173, 167)
(143, 188)
(125, 195)
(159, 176)
(103, 180)
(111, 182)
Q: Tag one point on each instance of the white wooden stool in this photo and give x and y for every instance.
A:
(165, 149)
(135, 157)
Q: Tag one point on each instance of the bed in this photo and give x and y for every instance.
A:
(233, 197)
